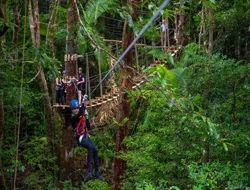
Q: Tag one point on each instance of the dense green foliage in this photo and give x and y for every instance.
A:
(173, 128)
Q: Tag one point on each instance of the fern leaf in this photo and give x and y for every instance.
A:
(95, 8)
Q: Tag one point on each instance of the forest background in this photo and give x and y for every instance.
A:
(186, 127)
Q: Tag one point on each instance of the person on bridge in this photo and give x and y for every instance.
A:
(80, 123)
(164, 30)
(60, 88)
(163, 26)
(64, 87)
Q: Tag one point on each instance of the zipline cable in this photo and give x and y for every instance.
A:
(164, 4)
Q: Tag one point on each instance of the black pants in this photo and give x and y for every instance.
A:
(58, 97)
(81, 87)
(63, 94)
(92, 152)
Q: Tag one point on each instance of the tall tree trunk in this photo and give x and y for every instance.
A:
(66, 158)
(2, 178)
(51, 29)
(17, 24)
(206, 155)
(202, 26)
(16, 31)
(124, 105)
(34, 22)
(234, 103)
(2, 16)
(50, 45)
(168, 40)
(179, 28)
(211, 30)
(19, 110)
(70, 56)
(35, 34)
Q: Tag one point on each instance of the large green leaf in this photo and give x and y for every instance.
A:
(166, 76)
(95, 8)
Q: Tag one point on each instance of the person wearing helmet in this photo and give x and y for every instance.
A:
(80, 123)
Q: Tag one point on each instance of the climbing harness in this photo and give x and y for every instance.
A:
(80, 128)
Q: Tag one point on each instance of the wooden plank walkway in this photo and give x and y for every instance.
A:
(110, 96)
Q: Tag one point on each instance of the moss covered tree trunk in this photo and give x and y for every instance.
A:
(66, 158)
(2, 17)
(17, 25)
(50, 45)
(34, 23)
(2, 178)
(211, 30)
(124, 105)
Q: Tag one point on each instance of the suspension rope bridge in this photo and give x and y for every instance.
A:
(137, 81)
(115, 93)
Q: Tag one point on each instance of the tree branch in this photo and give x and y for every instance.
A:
(35, 75)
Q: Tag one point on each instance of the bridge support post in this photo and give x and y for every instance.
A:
(100, 71)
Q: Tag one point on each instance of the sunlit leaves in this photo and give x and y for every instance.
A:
(122, 123)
